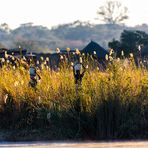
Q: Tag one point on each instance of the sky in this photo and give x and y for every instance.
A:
(54, 12)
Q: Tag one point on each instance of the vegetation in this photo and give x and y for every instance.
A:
(130, 41)
(110, 104)
(112, 12)
(74, 35)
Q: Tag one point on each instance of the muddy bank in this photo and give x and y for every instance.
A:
(4, 135)
(50, 135)
(33, 135)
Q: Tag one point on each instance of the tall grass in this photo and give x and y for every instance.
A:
(110, 104)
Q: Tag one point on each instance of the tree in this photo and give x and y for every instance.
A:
(116, 46)
(112, 12)
(129, 42)
(5, 27)
(30, 45)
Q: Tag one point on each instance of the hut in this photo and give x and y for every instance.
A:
(94, 47)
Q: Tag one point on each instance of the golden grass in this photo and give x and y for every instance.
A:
(127, 82)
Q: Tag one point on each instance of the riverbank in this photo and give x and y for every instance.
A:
(49, 135)
(29, 135)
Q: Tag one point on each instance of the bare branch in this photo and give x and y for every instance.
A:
(113, 12)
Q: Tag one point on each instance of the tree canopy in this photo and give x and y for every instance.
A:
(130, 40)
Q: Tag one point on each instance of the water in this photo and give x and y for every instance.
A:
(134, 144)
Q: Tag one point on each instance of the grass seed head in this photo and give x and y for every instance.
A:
(57, 50)
(77, 51)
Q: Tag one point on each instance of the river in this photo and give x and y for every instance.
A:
(125, 144)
